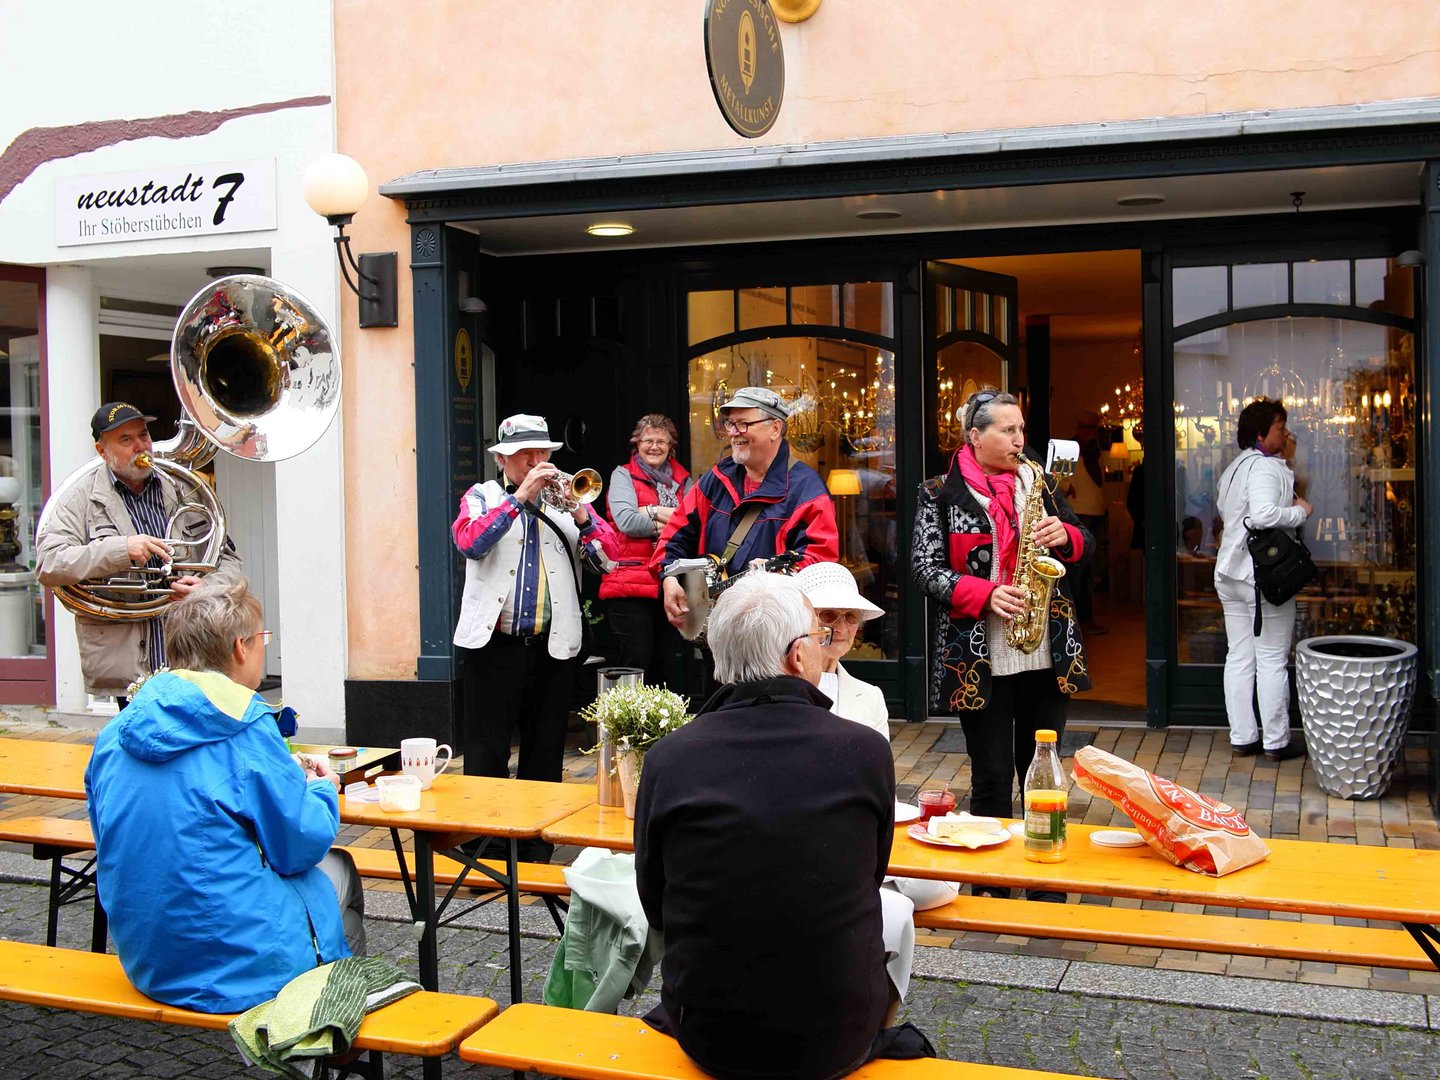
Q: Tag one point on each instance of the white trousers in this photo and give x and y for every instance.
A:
(898, 912)
(1256, 668)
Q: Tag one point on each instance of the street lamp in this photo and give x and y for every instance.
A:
(335, 188)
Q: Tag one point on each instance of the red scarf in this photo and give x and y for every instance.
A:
(999, 488)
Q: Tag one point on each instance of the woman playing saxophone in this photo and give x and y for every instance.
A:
(981, 534)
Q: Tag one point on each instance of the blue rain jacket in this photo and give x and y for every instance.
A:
(208, 835)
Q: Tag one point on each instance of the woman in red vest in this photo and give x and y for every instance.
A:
(641, 496)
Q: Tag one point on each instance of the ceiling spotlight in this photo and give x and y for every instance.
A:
(610, 228)
(1140, 200)
(879, 214)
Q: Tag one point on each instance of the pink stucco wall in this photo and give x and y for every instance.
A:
(477, 82)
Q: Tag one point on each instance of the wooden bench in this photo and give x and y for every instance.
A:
(56, 839)
(598, 1046)
(424, 1024)
(1364, 945)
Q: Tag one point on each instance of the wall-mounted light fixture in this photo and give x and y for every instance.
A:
(335, 188)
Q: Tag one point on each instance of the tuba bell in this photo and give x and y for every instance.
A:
(258, 375)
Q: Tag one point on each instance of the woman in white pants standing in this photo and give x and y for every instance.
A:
(1258, 490)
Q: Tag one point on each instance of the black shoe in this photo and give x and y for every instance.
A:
(1293, 749)
(1000, 892)
(1045, 897)
(1249, 749)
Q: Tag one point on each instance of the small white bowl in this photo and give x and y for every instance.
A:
(399, 794)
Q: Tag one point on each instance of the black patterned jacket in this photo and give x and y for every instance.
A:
(950, 559)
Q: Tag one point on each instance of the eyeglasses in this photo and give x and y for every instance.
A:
(824, 636)
(263, 635)
(662, 443)
(740, 427)
(835, 617)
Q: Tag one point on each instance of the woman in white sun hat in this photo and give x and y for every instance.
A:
(832, 592)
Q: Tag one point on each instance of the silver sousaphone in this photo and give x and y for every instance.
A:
(257, 372)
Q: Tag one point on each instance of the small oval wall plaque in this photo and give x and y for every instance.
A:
(746, 62)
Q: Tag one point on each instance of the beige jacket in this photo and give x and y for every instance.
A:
(86, 538)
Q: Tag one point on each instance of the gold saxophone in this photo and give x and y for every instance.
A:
(1036, 572)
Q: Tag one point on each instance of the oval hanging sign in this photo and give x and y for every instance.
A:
(746, 62)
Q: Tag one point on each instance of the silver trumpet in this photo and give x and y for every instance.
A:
(567, 492)
(258, 376)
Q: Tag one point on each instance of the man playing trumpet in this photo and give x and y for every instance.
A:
(520, 618)
(107, 527)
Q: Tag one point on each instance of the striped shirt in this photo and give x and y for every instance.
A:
(147, 514)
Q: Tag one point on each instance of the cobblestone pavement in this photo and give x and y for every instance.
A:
(1063, 1032)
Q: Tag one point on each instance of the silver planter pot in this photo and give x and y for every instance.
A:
(1355, 695)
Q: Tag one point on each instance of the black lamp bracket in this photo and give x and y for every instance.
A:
(377, 270)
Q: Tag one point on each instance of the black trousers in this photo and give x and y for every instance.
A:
(515, 683)
(1000, 738)
(645, 639)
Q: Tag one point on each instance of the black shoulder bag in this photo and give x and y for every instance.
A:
(1282, 564)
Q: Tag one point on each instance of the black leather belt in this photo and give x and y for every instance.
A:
(527, 639)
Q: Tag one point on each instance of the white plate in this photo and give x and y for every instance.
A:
(922, 833)
(904, 812)
(1117, 838)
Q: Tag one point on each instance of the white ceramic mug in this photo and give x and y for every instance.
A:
(417, 759)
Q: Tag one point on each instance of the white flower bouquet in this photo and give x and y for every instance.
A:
(636, 717)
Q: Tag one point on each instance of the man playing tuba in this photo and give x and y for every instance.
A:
(110, 525)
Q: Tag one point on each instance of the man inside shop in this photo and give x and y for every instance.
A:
(757, 503)
(113, 521)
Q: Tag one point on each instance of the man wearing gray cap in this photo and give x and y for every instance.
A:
(106, 527)
(757, 503)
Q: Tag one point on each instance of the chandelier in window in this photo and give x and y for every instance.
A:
(1128, 404)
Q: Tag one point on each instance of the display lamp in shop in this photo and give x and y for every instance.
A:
(335, 188)
(610, 228)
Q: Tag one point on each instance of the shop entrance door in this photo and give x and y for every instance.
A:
(972, 340)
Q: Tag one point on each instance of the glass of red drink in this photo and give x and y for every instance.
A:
(934, 802)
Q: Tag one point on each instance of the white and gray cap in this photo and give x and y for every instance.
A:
(523, 432)
(758, 397)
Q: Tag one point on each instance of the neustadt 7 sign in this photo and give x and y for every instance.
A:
(747, 64)
(175, 200)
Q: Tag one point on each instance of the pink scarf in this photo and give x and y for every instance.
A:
(1000, 489)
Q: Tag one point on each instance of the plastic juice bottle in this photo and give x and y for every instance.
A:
(1045, 802)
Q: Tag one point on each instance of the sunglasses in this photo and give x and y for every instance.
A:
(836, 617)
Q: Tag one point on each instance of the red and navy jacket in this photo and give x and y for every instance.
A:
(633, 574)
(797, 514)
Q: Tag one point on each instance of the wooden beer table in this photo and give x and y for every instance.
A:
(1390, 884)
(456, 809)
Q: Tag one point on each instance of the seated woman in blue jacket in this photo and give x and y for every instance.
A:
(212, 841)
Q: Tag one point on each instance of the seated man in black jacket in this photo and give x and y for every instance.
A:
(762, 834)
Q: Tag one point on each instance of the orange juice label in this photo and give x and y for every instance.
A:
(1045, 821)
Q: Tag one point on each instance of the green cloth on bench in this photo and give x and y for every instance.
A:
(608, 950)
(316, 1015)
